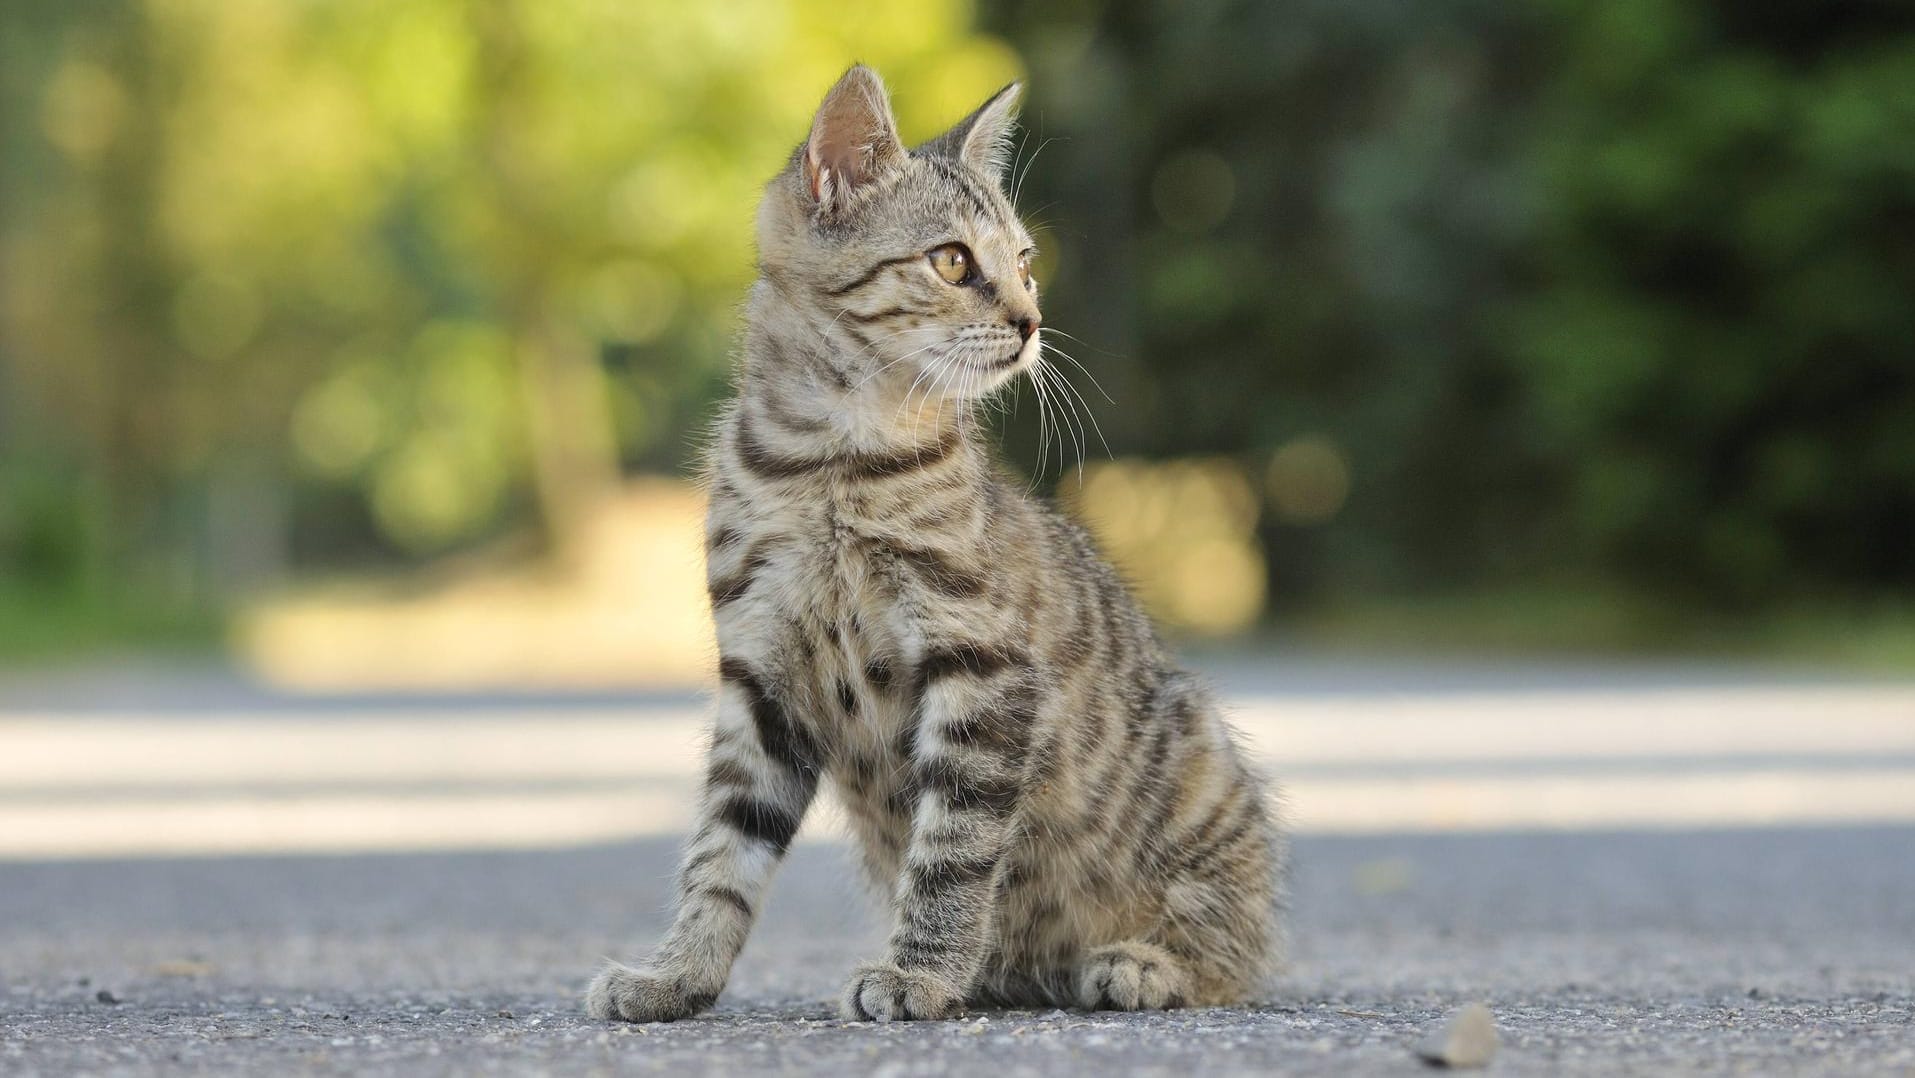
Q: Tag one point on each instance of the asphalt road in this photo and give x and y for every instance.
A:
(1781, 950)
(1760, 952)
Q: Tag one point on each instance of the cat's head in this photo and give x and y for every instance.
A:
(912, 264)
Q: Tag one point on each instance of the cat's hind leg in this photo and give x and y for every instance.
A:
(1218, 935)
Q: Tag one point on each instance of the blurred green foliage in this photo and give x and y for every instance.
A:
(1594, 294)
(298, 282)
(1599, 294)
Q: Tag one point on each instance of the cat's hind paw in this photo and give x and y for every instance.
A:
(625, 994)
(1131, 976)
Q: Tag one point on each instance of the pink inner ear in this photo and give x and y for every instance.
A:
(814, 175)
(852, 138)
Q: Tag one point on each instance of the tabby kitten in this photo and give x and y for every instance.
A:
(1058, 814)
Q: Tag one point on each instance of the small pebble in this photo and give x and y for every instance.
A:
(105, 996)
(1467, 1039)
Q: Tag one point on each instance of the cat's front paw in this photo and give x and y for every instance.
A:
(881, 992)
(637, 995)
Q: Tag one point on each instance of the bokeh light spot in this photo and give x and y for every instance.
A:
(1184, 533)
(1308, 480)
(216, 314)
(83, 109)
(1193, 191)
(338, 425)
(633, 300)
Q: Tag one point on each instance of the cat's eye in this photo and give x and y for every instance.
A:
(1024, 268)
(953, 263)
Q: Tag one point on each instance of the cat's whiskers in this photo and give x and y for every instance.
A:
(915, 351)
(923, 372)
(951, 364)
(1077, 404)
(1066, 410)
(1043, 429)
(1087, 373)
(1017, 185)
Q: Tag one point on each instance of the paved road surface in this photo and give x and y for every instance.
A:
(1765, 953)
(1648, 950)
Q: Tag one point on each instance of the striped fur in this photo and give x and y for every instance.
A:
(1056, 812)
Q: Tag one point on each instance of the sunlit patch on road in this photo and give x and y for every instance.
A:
(430, 776)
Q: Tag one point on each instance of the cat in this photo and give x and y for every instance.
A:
(1056, 813)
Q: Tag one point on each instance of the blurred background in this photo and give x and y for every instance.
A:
(1509, 405)
(333, 325)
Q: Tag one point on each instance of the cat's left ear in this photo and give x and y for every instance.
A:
(982, 140)
(854, 140)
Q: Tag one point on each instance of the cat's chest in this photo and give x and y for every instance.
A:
(860, 634)
(832, 555)
(841, 586)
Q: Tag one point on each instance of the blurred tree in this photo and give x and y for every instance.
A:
(1273, 226)
(372, 254)
(1610, 293)
(1714, 336)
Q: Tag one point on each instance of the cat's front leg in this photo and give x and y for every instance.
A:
(761, 773)
(976, 706)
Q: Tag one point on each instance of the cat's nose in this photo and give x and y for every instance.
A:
(1025, 327)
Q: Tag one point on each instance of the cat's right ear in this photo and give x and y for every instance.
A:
(854, 141)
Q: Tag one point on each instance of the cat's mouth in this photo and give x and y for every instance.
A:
(989, 368)
(1026, 352)
(1007, 362)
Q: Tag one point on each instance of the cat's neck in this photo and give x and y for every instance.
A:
(806, 388)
